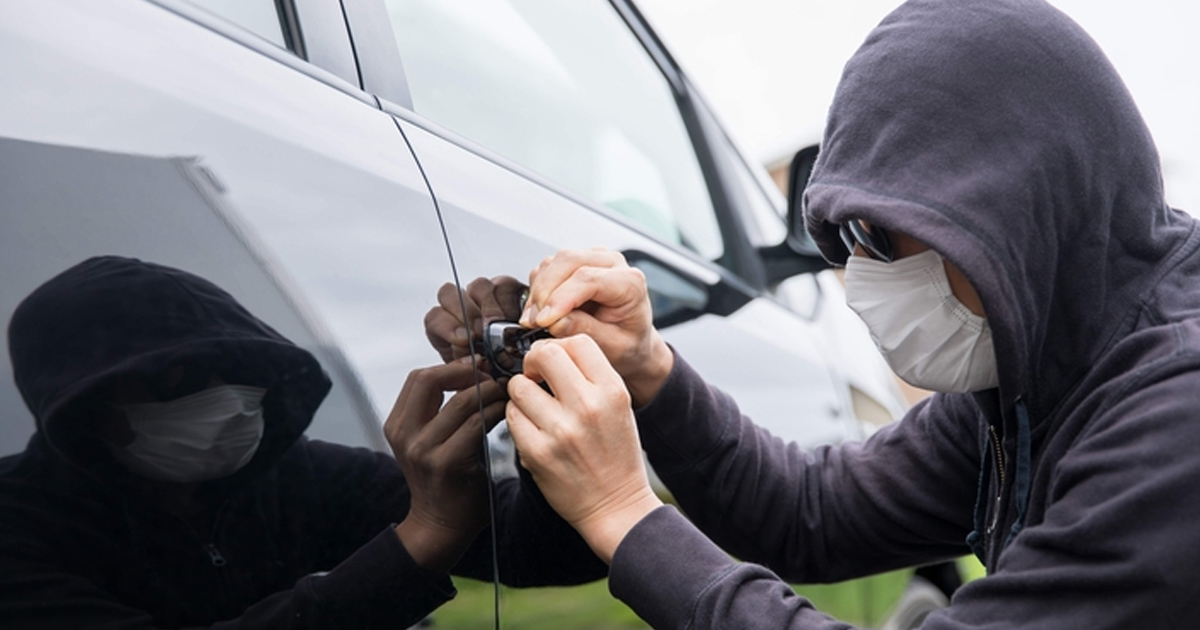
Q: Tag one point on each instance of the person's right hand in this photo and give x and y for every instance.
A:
(486, 300)
(596, 293)
(580, 443)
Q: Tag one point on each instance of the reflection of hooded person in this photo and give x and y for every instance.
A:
(213, 506)
(996, 133)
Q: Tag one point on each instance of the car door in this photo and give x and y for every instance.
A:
(544, 125)
(232, 140)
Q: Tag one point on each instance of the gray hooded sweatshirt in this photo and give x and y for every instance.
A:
(996, 132)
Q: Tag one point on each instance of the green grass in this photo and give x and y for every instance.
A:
(862, 602)
(587, 607)
(590, 607)
(971, 568)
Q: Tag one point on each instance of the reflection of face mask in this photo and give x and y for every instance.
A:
(207, 435)
(929, 338)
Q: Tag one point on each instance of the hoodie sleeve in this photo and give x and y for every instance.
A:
(1117, 547)
(821, 516)
(367, 491)
(377, 587)
(902, 498)
(536, 547)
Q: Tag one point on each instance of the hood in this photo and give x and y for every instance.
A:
(109, 316)
(997, 133)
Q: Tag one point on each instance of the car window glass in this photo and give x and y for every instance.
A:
(260, 17)
(565, 89)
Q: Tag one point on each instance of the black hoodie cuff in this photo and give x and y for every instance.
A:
(663, 565)
(379, 586)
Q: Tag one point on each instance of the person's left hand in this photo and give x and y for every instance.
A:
(581, 443)
(486, 300)
(439, 449)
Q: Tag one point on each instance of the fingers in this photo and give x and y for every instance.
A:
(462, 412)
(448, 298)
(421, 393)
(469, 438)
(446, 334)
(510, 293)
(496, 299)
(421, 396)
(578, 374)
(526, 433)
(568, 280)
(572, 367)
(598, 302)
(482, 301)
(528, 398)
(444, 327)
(587, 356)
(531, 411)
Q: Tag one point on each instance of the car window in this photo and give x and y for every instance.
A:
(567, 90)
(260, 17)
(766, 225)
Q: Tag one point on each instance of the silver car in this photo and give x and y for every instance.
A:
(333, 162)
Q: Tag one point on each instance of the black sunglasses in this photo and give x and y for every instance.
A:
(505, 344)
(874, 241)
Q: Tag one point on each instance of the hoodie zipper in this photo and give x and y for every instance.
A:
(210, 548)
(214, 555)
(998, 461)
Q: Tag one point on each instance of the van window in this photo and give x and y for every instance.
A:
(260, 17)
(566, 90)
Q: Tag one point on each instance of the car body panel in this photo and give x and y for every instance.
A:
(339, 208)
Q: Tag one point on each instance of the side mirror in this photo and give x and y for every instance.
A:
(677, 296)
(798, 253)
(798, 173)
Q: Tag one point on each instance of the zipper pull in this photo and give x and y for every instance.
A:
(214, 555)
(995, 515)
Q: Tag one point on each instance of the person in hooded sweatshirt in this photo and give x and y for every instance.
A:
(169, 483)
(997, 203)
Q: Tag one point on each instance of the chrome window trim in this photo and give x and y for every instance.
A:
(232, 31)
(378, 54)
(651, 43)
(326, 37)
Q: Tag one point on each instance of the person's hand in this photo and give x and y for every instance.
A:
(438, 448)
(486, 300)
(596, 293)
(581, 443)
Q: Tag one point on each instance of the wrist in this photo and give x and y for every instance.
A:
(604, 532)
(433, 547)
(645, 382)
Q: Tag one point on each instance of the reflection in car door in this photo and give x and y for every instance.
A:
(317, 216)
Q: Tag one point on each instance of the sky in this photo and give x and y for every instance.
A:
(769, 67)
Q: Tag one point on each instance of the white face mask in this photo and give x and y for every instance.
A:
(207, 435)
(929, 338)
